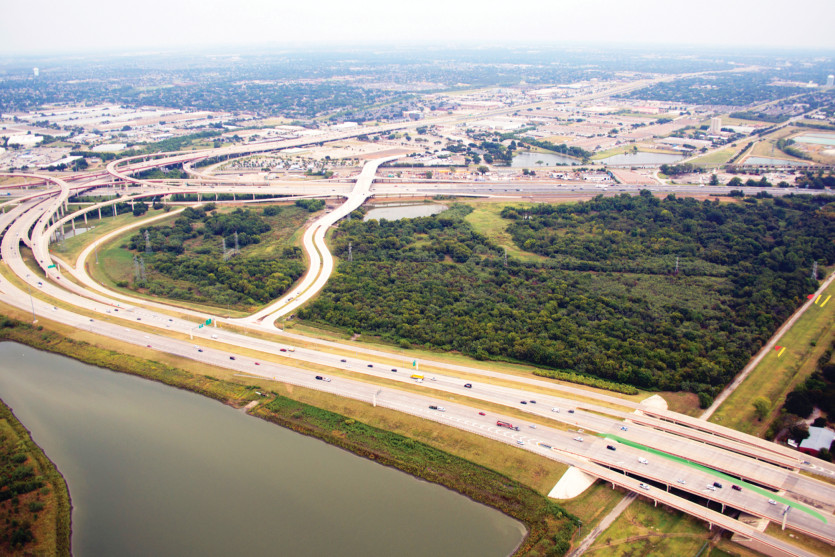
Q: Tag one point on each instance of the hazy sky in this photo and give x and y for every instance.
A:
(47, 26)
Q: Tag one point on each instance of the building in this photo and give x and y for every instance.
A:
(715, 125)
(819, 438)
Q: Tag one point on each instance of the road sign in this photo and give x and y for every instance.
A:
(200, 326)
(208, 321)
(53, 266)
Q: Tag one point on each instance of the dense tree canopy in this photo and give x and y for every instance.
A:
(607, 300)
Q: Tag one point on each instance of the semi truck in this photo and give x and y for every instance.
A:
(508, 425)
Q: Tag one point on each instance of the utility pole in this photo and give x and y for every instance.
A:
(815, 271)
(350, 252)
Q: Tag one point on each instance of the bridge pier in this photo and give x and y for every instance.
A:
(99, 213)
(72, 223)
(655, 501)
(85, 220)
(115, 211)
(199, 197)
(233, 196)
(723, 507)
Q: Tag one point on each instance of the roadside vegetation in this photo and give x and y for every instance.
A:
(194, 258)
(606, 303)
(34, 501)
(775, 377)
(550, 526)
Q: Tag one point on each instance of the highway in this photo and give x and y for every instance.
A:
(70, 297)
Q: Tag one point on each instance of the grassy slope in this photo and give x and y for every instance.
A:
(459, 460)
(774, 377)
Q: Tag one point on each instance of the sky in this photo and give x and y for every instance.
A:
(47, 26)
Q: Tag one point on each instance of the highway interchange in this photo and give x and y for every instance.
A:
(70, 296)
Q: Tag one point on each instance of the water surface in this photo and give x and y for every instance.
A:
(153, 470)
(397, 212)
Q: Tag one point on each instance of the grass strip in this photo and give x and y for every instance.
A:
(718, 474)
(550, 527)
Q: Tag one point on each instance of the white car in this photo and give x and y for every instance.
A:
(520, 442)
(580, 439)
(644, 486)
(555, 409)
(642, 460)
(682, 482)
(772, 502)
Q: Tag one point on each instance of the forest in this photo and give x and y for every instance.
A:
(187, 260)
(670, 294)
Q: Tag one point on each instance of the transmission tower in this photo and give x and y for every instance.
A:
(505, 257)
(237, 249)
(142, 275)
(676, 271)
(148, 242)
(815, 271)
(135, 269)
(225, 253)
(350, 252)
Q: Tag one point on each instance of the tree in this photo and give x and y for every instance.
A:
(714, 180)
(762, 406)
(482, 169)
(735, 182)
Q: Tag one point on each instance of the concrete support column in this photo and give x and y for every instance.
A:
(99, 213)
(85, 220)
(72, 223)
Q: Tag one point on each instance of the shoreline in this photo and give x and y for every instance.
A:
(549, 526)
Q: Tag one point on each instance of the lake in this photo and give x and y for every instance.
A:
(397, 212)
(768, 161)
(153, 470)
(641, 158)
(533, 160)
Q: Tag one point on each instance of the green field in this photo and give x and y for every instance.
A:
(775, 376)
(645, 530)
(486, 219)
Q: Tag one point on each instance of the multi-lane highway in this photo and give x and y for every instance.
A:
(670, 458)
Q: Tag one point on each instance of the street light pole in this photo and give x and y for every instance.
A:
(31, 300)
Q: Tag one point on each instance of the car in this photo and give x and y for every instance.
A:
(327, 379)
(468, 385)
(611, 447)
(682, 482)
(644, 486)
(642, 460)
(441, 409)
(523, 401)
(370, 365)
(291, 349)
(282, 350)
(394, 369)
(532, 426)
(624, 428)
(571, 411)
(555, 409)
(772, 502)
(520, 442)
(199, 349)
(344, 361)
(433, 407)
(139, 319)
(532, 402)
(320, 378)
(736, 488)
(231, 357)
(56, 309)
(257, 363)
(580, 439)
(717, 484)
(482, 414)
(432, 379)
(171, 320)
(711, 488)
(149, 346)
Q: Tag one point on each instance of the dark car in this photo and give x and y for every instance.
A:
(524, 402)
(717, 485)
(533, 402)
(343, 361)
(611, 447)
(231, 357)
(736, 488)
(199, 349)
(394, 369)
(370, 365)
(468, 385)
(319, 377)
